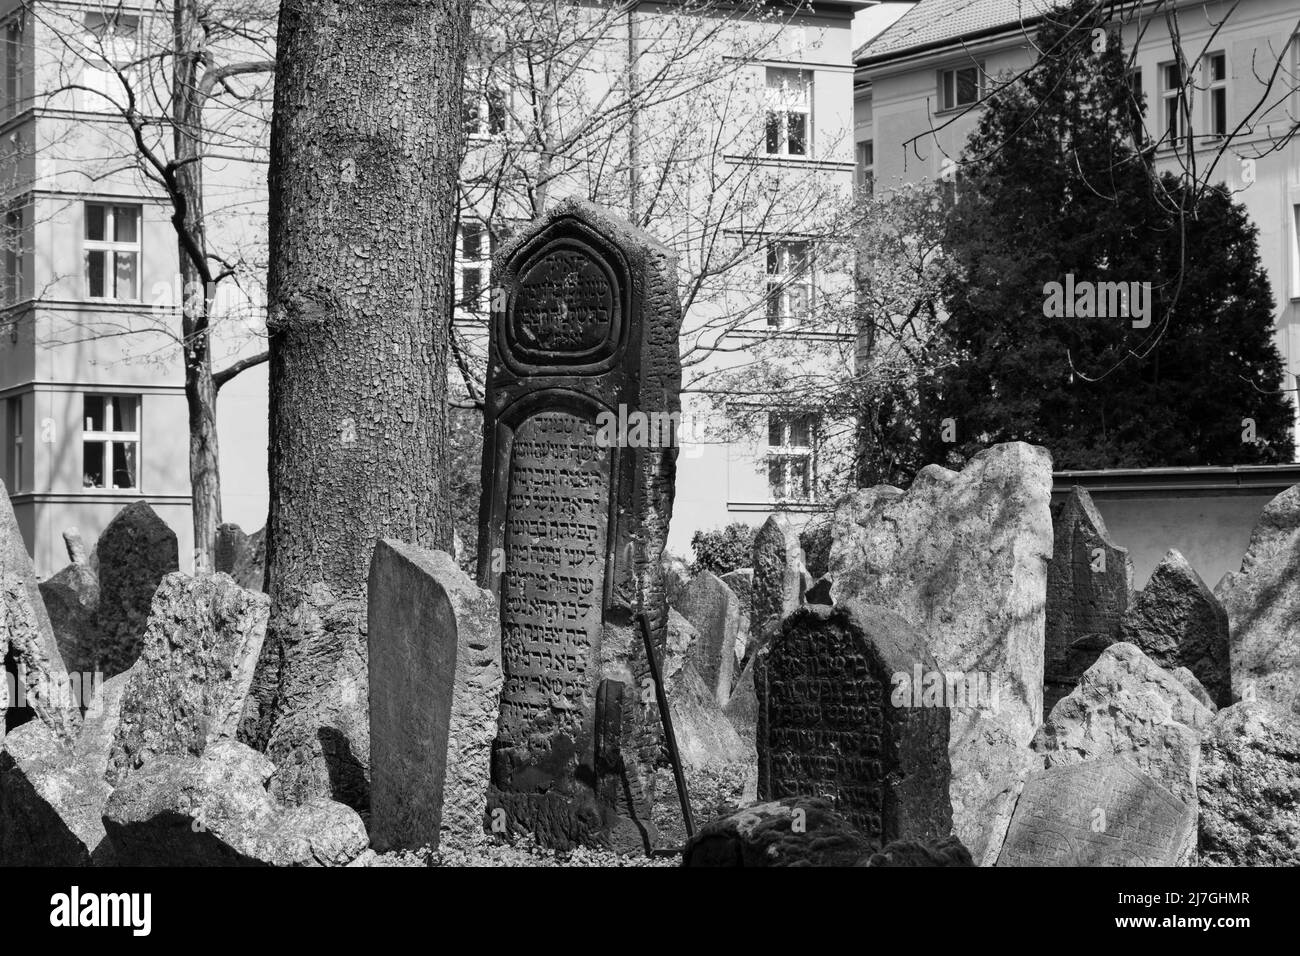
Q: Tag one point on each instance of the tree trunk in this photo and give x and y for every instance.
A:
(365, 139)
(196, 286)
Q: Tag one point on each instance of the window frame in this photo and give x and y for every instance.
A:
(1216, 90)
(948, 107)
(780, 280)
(109, 436)
(15, 470)
(487, 239)
(780, 106)
(15, 254)
(1173, 112)
(784, 454)
(866, 150)
(112, 54)
(112, 248)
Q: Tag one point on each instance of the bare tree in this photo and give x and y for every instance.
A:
(183, 83)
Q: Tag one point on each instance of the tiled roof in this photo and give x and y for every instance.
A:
(937, 21)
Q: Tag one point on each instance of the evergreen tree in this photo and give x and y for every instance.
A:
(1057, 187)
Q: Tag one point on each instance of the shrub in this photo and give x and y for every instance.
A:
(722, 550)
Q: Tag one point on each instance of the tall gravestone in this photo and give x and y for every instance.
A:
(580, 415)
(851, 707)
(776, 587)
(1088, 585)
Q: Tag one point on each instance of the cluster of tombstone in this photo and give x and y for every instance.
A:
(969, 680)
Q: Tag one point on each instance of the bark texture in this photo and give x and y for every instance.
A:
(364, 146)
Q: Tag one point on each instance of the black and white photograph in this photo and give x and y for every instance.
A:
(602, 434)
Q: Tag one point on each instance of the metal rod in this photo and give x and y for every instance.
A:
(661, 695)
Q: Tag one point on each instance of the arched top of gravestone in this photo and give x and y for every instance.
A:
(568, 301)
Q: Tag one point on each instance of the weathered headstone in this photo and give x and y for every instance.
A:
(793, 831)
(846, 711)
(1248, 786)
(1177, 622)
(33, 675)
(714, 610)
(242, 556)
(1088, 585)
(964, 555)
(1098, 813)
(189, 685)
(136, 551)
(214, 810)
(435, 678)
(777, 581)
(1262, 602)
(1126, 705)
(581, 407)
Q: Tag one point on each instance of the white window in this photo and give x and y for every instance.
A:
(788, 124)
(111, 442)
(111, 57)
(959, 87)
(485, 109)
(1216, 81)
(14, 425)
(867, 165)
(1295, 251)
(790, 460)
(14, 238)
(475, 246)
(789, 283)
(13, 66)
(1173, 121)
(112, 251)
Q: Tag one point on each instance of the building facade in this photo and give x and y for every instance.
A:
(724, 129)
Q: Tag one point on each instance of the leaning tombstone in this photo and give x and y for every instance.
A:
(413, 637)
(1098, 813)
(777, 581)
(852, 707)
(136, 551)
(713, 608)
(580, 415)
(1088, 586)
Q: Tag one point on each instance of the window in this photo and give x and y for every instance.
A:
(13, 66)
(789, 283)
(867, 165)
(790, 455)
(14, 428)
(1173, 122)
(959, 87)
(1216, 75)
(1135, 105)
(112, 251)
(474, 250)
(789, 112)
(1295, 251)
(111, 442)
(111, 57)
(485, 111)
(15, 249)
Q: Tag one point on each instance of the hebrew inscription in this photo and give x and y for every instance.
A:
(553, 581)
(566, 305)
(826, 723)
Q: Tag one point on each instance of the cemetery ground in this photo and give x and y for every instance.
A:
(952, 674)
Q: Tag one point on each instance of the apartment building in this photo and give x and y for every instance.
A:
(95, 415)
(737, 135)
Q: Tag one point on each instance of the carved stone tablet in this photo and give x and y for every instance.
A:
(1098, 813)
(577, 493)
(837, 718)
